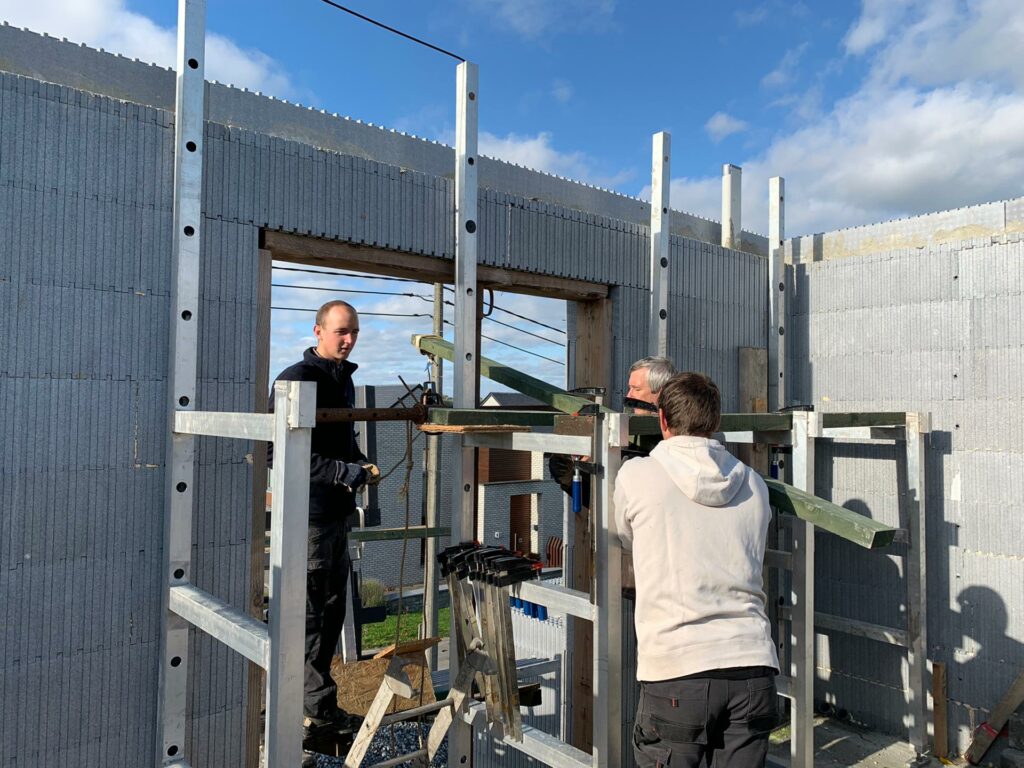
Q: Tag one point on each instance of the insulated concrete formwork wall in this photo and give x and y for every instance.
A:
(85, 199)
(936, 329)
(85, 195)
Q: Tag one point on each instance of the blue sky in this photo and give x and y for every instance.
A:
(871, 109)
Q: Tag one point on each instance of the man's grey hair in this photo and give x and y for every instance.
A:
(659, 371)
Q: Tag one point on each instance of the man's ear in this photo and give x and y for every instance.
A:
(661, 421)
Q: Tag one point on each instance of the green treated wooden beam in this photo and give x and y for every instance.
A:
(830, 517)
(503, 374)
(883, 419)
(731, 422)
(463, 417)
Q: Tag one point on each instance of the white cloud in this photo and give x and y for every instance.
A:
(561, 90)
(537, 152)
(929, 127)
(720, 125)
(108, 24)
(752, 17)
(785, 72)
(533, 19)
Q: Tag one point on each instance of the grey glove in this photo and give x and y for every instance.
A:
(352, 476)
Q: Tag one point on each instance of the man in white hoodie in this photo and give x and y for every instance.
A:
(697, 520)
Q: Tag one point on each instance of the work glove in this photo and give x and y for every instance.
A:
(372, 472)
(352, 476)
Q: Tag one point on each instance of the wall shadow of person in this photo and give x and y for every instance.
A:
(987, 659)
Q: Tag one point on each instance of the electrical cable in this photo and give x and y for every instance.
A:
(371, 314)
(352, 290)
(514, 314)
(392, 29)
(349, 274)
(513, 346)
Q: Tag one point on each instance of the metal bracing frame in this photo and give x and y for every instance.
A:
(278, 645)
(806, 429)
(661, 164)
(798, 685)
(777, 292)
(187, 222)
(466, 369)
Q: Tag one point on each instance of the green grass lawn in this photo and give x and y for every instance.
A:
(383, 633)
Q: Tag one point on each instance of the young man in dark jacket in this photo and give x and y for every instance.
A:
(337, 471)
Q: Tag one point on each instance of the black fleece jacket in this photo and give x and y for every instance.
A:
(333, 445)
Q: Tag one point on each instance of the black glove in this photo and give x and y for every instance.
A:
(352, 476)
(561, 467)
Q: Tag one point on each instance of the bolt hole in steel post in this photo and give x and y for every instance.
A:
(189, 231)
(193, 64)
(664, 262)
(179, 573)
(183, 401)
(190, 146)
(181, 487)
(782, 331)
(471, 226)
(176, 661)
(172, 750)
(186, 315)
(470, 160)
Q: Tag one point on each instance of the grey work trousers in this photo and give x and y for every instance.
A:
(701, 722)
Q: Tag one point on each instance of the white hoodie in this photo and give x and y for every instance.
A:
(696, 520)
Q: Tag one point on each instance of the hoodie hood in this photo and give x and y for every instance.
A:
(701, 468)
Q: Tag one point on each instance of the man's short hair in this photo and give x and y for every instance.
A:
(659, 371)
(692, 404)
(321, 313)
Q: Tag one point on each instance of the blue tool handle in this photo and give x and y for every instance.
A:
(577, 493)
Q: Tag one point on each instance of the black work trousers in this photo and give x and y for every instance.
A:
(326, 584)
(705, 722)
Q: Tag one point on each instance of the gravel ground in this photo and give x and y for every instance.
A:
(381, 748)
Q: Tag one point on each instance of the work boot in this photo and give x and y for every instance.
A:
(337, 720)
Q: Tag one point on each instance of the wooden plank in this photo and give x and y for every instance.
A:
(503, 374)
(940, 713)
(471, 429)
(753, 389)
(301, 249)
(829, 517)
(413, 646)
(255, 676)
(453, 419)
(989, 730)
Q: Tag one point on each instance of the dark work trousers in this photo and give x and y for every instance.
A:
(706, 722)
(326, 582)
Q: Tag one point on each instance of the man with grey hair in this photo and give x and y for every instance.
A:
(646, 378)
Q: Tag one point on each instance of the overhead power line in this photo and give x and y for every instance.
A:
(392, 29)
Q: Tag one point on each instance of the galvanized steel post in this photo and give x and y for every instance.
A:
(918, 426)
(294, 419)
(732, 204)
(611, 434)
(776, 294)
(466, 366)
(172, 704)
(806, 428)
(661, 176)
